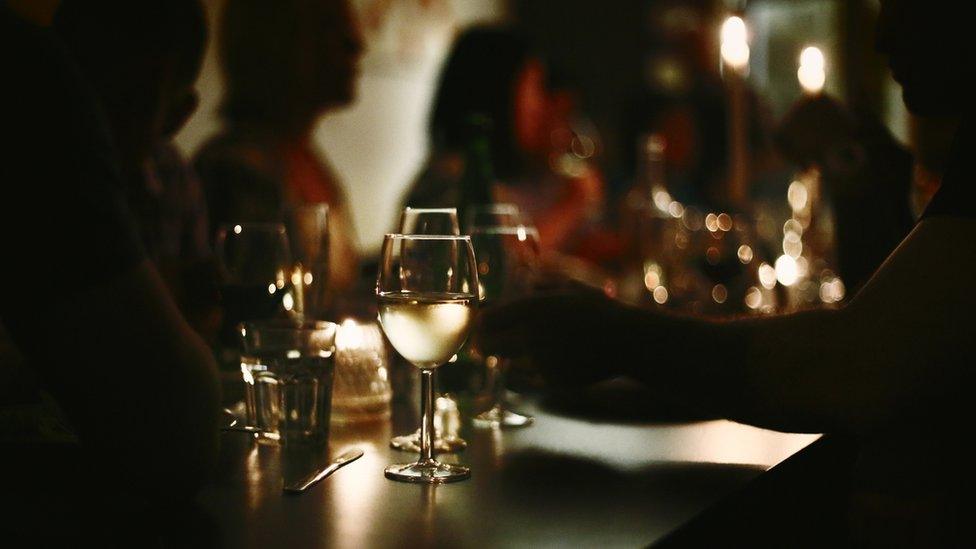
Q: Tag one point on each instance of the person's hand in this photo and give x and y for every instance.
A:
(571, 339)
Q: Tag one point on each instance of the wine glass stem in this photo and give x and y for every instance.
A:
(496, 380)
(427, 423)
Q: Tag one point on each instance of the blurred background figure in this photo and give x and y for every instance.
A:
(285, 64)
(142, 60)
(495, 74)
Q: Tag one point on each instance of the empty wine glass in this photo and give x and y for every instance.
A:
(508, 264)
(427, 289)
(308, 231)
(429, 221)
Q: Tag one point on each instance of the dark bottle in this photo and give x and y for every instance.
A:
(479, 173)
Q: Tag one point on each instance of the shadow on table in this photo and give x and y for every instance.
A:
(619, 401)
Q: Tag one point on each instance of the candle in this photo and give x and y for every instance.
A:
(735, 57)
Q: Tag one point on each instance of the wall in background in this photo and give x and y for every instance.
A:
(379, 143)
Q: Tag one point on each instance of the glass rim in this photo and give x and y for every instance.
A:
(430, 210)
(434, 237)
(497, 207)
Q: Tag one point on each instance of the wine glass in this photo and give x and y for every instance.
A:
(492, 215)
(427, 289)
(429, 221)
(508, 264)
(254, 266)
(308, 231)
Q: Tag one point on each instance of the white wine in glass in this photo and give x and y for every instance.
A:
(427, 293)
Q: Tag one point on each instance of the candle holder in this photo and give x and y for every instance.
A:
(361, 390)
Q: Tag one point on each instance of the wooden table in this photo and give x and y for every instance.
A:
(561, 482)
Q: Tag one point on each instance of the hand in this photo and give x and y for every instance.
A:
(571, 339)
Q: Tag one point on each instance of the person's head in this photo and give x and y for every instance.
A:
(142, 58)
(930, 52)
(287, 61)
(493, 72)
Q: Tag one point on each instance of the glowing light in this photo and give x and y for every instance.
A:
(745, 254)
(661, 295)
(662, 200)
(307, 278)
(288, 302)
(724, 222)
(792, 245)
(676, 209)
(712, 255)
(753, 297)
(797, 196)
(238, 229)
(735, 43)
(296, 277)
(711, 222)
(293, 354)
(652, 280)
(832, 290)
(767, 276)
(793, 227)
(812, 73)
(720, 293)
(786, 270)
(349, 336)
(272, 289)
(520, 232)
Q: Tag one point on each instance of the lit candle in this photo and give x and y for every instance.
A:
(735, 57)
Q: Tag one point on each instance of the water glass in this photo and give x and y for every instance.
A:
(288, 370)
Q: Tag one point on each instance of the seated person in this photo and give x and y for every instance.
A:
(85, 310)
(142, 61)
(284, 64)
(893, 367)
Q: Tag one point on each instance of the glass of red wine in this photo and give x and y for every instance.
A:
(255, 270)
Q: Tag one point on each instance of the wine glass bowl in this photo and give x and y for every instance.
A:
(427, 292)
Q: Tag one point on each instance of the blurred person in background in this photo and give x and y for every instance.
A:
(285, 64)
(86, 313)
(892, 368)
(494, 72)
(142, 60)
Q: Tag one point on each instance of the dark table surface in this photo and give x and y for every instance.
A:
(563, 481)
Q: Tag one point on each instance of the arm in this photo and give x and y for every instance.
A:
(895, 349)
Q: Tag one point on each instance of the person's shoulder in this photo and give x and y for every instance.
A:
(231, 154)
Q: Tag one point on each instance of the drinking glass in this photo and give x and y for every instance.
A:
(492, 215)
(430, 221)
(427, 289)
(508, 265)
(254, 267)
(288, 369)
(308, 231)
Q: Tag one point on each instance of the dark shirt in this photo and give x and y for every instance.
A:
(957, 195)
(64, 225)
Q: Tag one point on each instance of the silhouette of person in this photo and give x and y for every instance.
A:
(893, 367)
(494, 72)
(285, 64)
(142, 62)
(81, 303)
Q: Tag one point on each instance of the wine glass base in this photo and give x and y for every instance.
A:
(411, 443)
(430, 472)
(499, 417)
